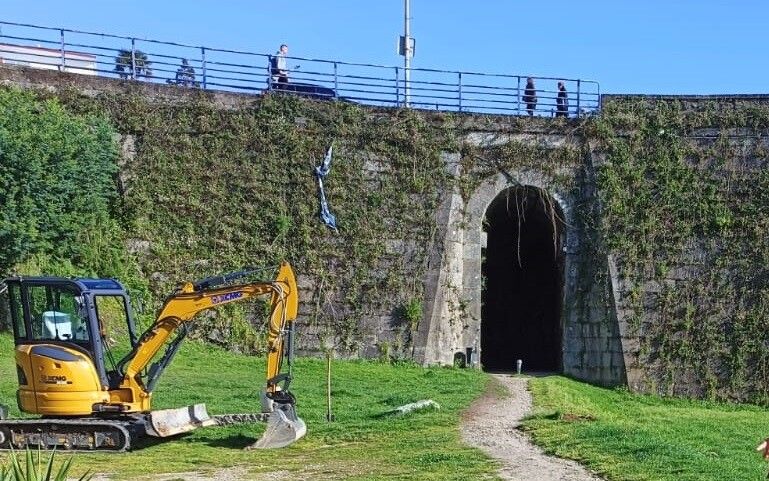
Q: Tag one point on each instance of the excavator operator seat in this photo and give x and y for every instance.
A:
(57, 325)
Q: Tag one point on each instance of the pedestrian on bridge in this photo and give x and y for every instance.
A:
(562, 101)
(278, 69)
(530, 96)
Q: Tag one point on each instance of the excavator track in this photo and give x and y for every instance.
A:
(105, 435)
(70, 434)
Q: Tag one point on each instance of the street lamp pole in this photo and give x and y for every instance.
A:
(407, 50)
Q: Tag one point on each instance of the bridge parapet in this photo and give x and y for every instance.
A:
(210, 68)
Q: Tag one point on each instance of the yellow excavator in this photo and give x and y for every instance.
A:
(89, 377)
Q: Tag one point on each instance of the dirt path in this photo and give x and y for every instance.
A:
(491, 425)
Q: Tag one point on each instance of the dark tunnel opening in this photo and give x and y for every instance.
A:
(523, 282)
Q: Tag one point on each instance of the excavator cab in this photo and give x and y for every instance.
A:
(70, 335)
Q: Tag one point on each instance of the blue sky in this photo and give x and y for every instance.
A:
(649, 46)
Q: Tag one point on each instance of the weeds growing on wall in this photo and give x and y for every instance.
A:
(684, 198)
(204, 189)
(211, 189)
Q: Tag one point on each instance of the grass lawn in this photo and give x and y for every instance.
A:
(621, 435)
(357, 446)
(633, 437)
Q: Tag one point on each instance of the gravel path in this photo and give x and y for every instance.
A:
(491, 424)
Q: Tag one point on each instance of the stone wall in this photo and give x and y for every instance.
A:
(606, 339)
(689, 272)
(590, 333)
(451, 280)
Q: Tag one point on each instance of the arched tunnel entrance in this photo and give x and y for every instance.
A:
(523, 281)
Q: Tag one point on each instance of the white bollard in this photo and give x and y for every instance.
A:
(518, 365)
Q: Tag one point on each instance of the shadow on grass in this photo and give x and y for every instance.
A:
(150, 442)
(237, 441)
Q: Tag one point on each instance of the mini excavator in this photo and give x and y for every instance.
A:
(93, 392)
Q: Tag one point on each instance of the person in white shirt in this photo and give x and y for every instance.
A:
(279, 70)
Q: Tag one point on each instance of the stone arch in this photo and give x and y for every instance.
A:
(592, 340)
(475, 241)
(522, 292)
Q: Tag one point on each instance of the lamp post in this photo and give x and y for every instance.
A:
(406, 48)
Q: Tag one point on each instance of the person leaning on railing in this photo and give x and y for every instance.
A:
(278, 69)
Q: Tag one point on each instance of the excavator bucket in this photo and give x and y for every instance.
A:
(284, 427)
(169, 422)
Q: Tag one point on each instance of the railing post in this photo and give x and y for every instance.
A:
(269, 73)
(203, 65)
(518, 96)
(579, 90)
(133, 58)
(63, 59)
(459, 78)
(397, 89)
(336, 81)
(600, 99)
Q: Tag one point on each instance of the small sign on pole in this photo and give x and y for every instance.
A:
(402, 46)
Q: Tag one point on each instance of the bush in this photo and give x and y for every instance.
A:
(57, 187)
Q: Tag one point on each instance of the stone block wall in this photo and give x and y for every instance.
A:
(603, 339)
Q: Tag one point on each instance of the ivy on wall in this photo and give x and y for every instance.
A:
(684, 196)
(207, 188)
(211, 190)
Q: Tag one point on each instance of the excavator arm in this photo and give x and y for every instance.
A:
(284, 426)
(181, 307)
(192, 298)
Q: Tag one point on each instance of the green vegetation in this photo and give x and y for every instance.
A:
(359, 445)
(683, 190)
(125, 61)
(209, 190)
(205, 189)
(57, 189)
(634, 437)
(34, 469)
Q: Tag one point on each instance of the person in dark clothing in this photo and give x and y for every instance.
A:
(562, 101)
(530, 96)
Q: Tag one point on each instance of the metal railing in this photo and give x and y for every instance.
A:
(190, 66)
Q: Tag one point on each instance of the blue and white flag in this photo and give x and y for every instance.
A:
(320, 172)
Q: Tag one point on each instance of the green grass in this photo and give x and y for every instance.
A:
(633, 437)
(359, 445)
